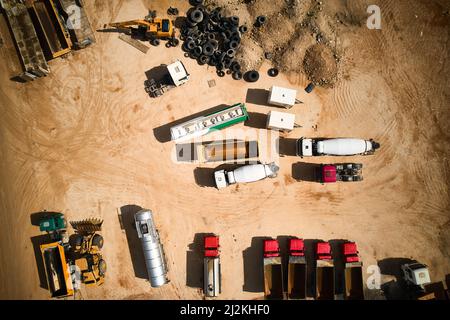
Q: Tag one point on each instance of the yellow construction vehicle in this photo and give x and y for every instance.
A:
(86, 245)
(153, 29)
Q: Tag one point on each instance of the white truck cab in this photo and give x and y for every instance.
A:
(416, 274)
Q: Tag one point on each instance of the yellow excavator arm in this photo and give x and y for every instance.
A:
(159, 28)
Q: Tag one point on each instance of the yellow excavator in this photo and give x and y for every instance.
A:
(153, 29)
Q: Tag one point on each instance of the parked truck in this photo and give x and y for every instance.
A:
(228, 150)
(273, 272)
(354, 289)
(176, 75)
(324, 272)
(245, 174)
(345, 172)
(211, 267)
(307, 147)
(296, 270)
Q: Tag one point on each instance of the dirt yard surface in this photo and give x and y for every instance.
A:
(88, 140)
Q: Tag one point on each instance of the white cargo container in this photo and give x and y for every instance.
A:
(282, 97)
(280, 121)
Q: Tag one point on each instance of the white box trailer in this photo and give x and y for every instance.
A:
(281, 121)
(282, 97)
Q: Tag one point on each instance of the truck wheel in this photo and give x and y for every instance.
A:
(102, 267)
(97, 240)
(252, 76)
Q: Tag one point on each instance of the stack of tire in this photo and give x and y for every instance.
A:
(213, 39)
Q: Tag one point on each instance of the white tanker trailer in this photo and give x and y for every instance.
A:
(307, 147)
(245, 174)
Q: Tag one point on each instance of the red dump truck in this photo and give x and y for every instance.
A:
(353, 272)
(273, 273)
(324, 272)
(211, 267)
(296, 269)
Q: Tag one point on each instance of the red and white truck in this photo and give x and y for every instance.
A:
(324, 272)
(273, 272)
(354, 289)
(211, 267)
(296, 269)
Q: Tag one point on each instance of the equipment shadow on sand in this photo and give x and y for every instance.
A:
(134, 244)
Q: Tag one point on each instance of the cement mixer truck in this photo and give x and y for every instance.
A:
(245, 174)
(308, 147)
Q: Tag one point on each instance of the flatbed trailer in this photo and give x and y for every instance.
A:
(228, 150)
(354, 289)
(296, 270)
(273, 272)
(324, 272)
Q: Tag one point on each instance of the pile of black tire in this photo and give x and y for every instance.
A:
(213, 39)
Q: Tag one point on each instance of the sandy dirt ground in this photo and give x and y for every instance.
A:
(88, 140)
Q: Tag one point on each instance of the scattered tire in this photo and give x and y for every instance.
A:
(273, 72)
(260, 21)
(227, 63)
(220, 73)
(243, 29)
(215, 44)
(203, 60)
(190, 44)
(196, 16)
(174, 42)
(155, 42)
(190, 23)
(168, 44)
(172, 11)
(231, 53)
(197, 51)
(210, 36)
(237, 75)
(208, 49)
(233, 45)
(252, 76)
(234, 20)
(236, 67)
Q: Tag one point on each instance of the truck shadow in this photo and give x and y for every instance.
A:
(283, 241)
(339, 266)
(257, 96)
(396, 289)
(303, 171)
(194, 261)
(134, 244)
(253, 266)
(287, 147)
(256, 120)
(162, 133)
(37, 241)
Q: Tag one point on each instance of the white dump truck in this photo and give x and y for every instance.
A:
(308, 147)
(245, 174)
